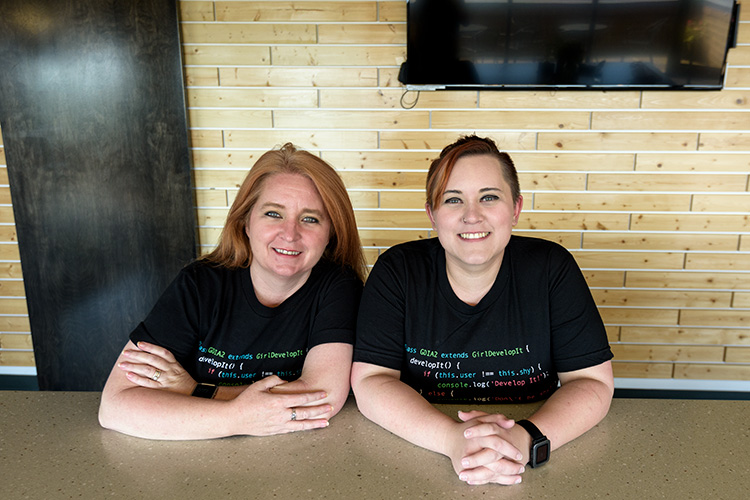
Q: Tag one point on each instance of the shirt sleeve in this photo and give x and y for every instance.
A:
(174, 321)
(381, 320)
(579, 339)
(336, 317)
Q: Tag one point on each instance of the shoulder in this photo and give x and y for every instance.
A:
(205, 276)
(412, 252)
(327, 272)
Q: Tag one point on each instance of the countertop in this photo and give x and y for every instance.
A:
(51, 446)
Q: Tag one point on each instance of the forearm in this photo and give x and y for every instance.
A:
(157, 414)
(573, 409)
(327, 368)
(401, 410)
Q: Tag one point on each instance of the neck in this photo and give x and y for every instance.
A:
(272, 290)
(471, 283)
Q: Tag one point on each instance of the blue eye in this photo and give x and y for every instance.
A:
(310, 220)
(452, 200)
(490, 197)
(273, 214)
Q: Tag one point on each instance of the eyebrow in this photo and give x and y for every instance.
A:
(312, 211)
(483, 190)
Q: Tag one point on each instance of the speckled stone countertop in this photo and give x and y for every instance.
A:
(51, 446)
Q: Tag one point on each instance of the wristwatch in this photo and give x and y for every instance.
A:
(540, 446)
(207, 391)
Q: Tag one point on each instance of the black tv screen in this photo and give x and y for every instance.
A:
(567, 43)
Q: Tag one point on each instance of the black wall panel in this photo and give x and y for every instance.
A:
(93, 120)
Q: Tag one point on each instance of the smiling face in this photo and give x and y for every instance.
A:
(288, 228)
(475, 215)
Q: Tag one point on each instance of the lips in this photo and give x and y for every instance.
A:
(473, 236)
(286, 252)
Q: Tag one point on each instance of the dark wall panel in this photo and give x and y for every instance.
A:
(93, 120)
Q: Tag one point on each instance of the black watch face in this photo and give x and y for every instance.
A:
(540, 453)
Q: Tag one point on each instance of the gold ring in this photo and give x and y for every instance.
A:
(156, 376)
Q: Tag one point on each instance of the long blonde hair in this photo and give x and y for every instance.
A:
(344, 247)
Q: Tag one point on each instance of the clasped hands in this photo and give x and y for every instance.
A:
(262, 408)
(482, 450)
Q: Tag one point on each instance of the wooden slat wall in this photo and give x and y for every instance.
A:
(16, 349)
(650, 190)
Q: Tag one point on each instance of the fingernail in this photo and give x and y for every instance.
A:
(463, 477)
(519, 456)
(523, 469)
(465, 463)
(518, 480)
(467, 433)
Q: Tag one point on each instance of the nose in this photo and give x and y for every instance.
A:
(472, 214)
(289, 230)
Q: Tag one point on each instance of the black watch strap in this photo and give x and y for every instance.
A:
(540, 445)
(207, 391)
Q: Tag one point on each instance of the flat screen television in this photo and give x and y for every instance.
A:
(586, 44)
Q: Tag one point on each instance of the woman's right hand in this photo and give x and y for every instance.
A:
(481, 450)
(261, 412)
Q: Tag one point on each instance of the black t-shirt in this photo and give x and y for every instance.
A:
(211, 320)
(538, 319)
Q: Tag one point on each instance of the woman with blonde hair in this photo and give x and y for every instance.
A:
(254, 338)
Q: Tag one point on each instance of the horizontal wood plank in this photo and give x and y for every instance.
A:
(10, 270)
(638, 316)
(679, 335)
(643, 181)
(634, 352)
(559, 99)
(377, 33)
(215, 55)
(251, 98)
(273, 11)
(712, 372)
(387, 238)
(618, 141)
(693, 162)
(307, 139)
(691, 222)
(710, 141)
(709, 317)
(727, 202)
(629, 260)
(625, 202)
(563, 120)
(16, 341)
(230, 118)
(668, 120)
(738, 355)
(687, 279)
(659, 241)
(351, 119)
(642, 370)
(338, 55)
(661, 298)
(196, 11)
(17, 358)
(297, 77)
(248, 33)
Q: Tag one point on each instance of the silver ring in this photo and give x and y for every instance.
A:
(294, 414)
(156, 376)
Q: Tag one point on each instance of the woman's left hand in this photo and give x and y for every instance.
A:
(156, 368)
(496, 459)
